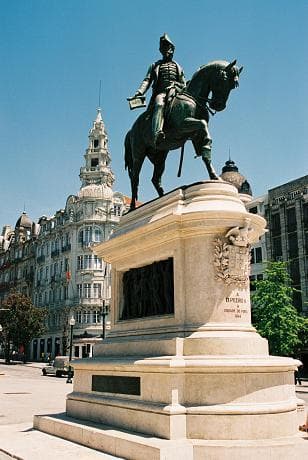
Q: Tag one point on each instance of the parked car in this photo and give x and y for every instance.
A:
(57, 367)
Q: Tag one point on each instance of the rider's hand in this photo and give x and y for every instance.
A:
(137, 94)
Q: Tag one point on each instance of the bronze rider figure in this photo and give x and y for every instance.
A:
(162, 75)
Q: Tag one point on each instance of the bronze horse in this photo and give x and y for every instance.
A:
(186, 118)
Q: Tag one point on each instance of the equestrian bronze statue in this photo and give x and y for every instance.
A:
(186, 117)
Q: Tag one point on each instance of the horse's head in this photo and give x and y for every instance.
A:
(225, 78)
(215, 81)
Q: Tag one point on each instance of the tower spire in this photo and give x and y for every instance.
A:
(97, 168)
(99, 94)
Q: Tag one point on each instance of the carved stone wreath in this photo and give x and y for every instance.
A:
(231, 262)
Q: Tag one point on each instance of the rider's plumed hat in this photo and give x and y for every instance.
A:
(165, 39)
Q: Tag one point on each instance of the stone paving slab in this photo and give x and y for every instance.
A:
(23, 443)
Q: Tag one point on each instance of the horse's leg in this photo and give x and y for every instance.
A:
(159, 162)
(201, 139)
(134, 179)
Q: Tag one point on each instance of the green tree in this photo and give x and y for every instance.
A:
(274, 315)
(21, 322)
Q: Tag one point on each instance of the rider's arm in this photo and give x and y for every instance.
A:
(181, 76)
(146, 83)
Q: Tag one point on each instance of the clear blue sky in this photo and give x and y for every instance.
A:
(53, 54)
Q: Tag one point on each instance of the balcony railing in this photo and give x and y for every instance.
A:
(90, 300)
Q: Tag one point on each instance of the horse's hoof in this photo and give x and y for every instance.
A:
(215, 177)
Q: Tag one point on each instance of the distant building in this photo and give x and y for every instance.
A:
(53, 262)
(286, 211)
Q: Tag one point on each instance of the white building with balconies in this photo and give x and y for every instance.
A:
(70, 280)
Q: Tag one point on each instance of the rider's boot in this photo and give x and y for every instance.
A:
(157, 125)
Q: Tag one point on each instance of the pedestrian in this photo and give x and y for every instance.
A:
(297, 375)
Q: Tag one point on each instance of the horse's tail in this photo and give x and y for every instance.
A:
(128, 154)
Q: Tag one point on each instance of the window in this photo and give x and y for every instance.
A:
(97, 290)
(95, 145)
(97, 234)
(293, 245)
(96, 316)
(253, 210)
(277, 248)
(87, 316)
(258, 255)
(87, 290)
(97, 263)
(87, 261)
(79, 290)
(305, 215)
(252, 253)
(79, 263)
(88, 235)
(275, 224)
(94, 161)
(291, 220)
(66, 265)
(79, 317)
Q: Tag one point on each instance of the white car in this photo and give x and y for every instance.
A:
(58, 367)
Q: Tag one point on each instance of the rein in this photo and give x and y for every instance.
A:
(200, 101)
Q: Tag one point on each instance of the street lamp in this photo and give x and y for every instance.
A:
(104, 312)
(69, 375)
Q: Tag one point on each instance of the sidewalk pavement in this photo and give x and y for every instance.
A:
(24, 391)
(303, 388)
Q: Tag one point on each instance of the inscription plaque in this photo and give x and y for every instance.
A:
(116, 384)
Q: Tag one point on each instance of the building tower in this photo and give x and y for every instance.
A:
(97, 170)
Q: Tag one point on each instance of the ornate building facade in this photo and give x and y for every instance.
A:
(53, 262)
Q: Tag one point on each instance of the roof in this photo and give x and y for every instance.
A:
(24, 221)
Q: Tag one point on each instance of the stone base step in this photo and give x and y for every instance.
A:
(136, 446)
(119, 443)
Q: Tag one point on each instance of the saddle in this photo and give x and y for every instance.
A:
(172, 91)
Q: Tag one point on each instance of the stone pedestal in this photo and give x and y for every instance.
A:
(197, 381)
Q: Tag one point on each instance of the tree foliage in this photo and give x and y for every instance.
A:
(274, 315)
(21, 321)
